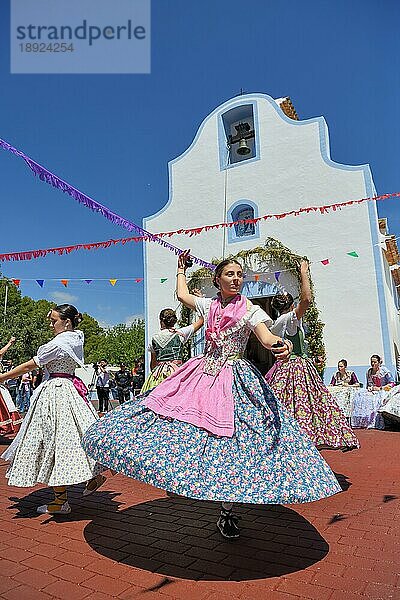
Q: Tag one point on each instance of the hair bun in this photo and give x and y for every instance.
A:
(77, 319)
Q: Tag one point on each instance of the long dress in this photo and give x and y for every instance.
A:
(48, 447)
(10, 419)
(214, 430)
(298, 386)
(167, 345)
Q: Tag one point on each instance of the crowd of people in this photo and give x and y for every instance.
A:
(118, 385)
(211, 427)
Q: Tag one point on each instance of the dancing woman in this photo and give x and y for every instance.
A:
(48, 447)
(166, 348)
(213, 430)
(297, 384)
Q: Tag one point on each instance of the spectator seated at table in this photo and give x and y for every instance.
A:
(343, 376)
(378, 376)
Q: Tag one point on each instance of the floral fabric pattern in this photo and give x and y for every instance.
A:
(158, 374)
(48, 446)
(267, 460)
(302, 392)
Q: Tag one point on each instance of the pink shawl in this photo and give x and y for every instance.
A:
(220, 319)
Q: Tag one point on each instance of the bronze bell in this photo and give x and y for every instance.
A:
(243, 148)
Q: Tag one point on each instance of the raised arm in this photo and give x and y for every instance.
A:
(305, 290)
(182, 290)
(6, 347)
(198, 324)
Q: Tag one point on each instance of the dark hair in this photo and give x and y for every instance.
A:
(220, 267)
(281, 302)
(378, 358)
(168, 317)
(67, 311)
(344, 361)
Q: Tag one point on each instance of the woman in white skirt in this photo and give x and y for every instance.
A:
(48, 447)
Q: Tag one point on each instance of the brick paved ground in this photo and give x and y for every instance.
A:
(131, 541)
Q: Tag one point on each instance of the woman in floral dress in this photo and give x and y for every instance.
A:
(166, 348)
(48, 447)
(213, 430)
(296, 382)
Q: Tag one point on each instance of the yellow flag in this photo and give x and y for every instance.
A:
(113, 281)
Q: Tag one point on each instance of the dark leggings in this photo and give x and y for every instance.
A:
(103, 396)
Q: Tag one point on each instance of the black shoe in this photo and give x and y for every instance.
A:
(228, 525)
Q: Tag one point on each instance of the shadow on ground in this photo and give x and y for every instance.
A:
(343, 481)
(177, 537)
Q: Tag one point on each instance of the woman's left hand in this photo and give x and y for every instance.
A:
(282, 352)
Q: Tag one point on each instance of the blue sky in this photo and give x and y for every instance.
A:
(112, 135)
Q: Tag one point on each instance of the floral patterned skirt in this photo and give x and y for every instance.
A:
(298, 386)
(158, 374)
(268, 460)
(48, 447)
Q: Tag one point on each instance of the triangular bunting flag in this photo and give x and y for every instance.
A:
(256, 277)
(88, 281)
(64, 282)
(353, 253)
(325, 261)
(139, 279)
(113, 281)
(164, 279)
(40, 282)
(16, 282)
(277, 275)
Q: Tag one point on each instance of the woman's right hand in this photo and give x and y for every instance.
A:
(304, 266)
(182, 260)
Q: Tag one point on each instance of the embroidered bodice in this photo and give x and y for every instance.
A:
(62, 365)
(232, 348)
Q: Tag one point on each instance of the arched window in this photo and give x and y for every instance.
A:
(242, 211)
(238, 136)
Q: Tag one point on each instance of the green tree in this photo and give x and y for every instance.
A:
(122, 343)
(25, 318)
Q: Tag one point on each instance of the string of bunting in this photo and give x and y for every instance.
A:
(258, 277)
(144, 235)
(60, 250)
(55, 181)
